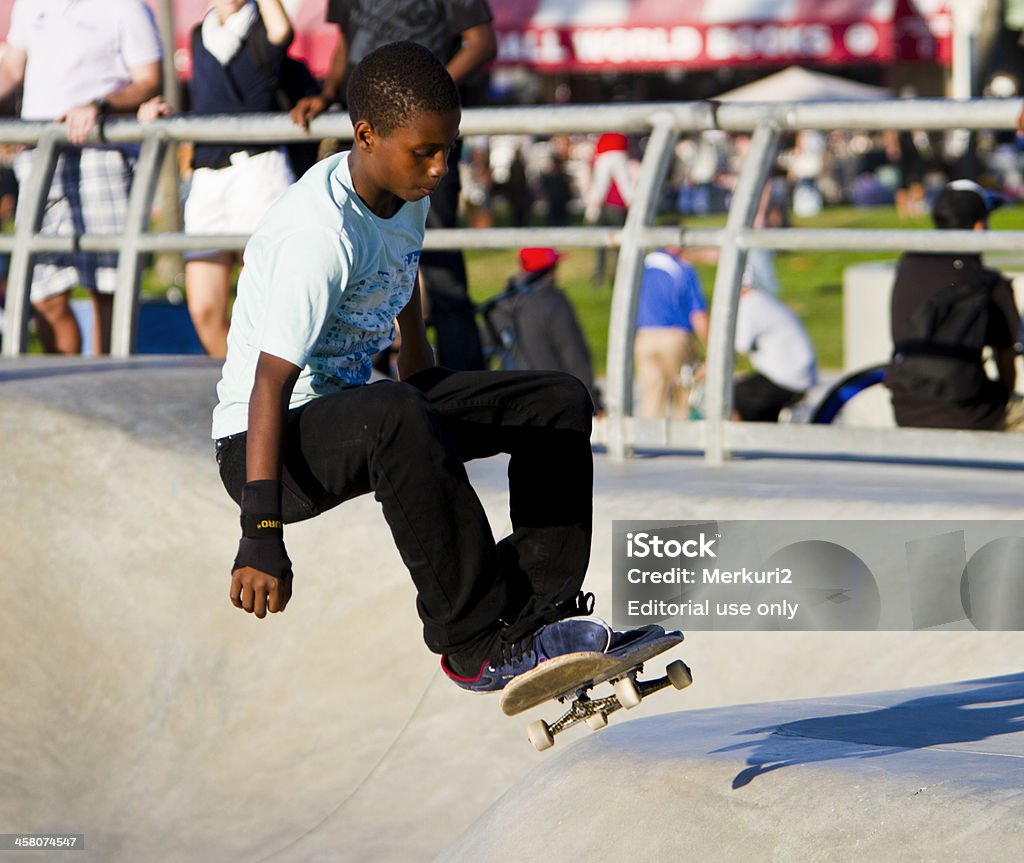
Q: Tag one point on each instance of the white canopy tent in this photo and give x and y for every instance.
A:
(796, 84)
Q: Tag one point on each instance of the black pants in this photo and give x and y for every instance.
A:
(757, 399)
(406, 442)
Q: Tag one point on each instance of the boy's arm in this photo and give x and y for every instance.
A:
(261, 578)
(414, 352)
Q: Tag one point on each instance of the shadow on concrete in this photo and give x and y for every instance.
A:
(985, 710)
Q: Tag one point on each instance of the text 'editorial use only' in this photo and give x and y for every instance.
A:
(818, 575)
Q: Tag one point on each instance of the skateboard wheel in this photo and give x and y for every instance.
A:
(540, 735)
(597, 721)
(627, 693)
(679, 674)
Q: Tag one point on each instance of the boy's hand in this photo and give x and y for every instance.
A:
(257, 593)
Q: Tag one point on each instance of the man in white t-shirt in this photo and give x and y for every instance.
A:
(79, 61)
(781, 352)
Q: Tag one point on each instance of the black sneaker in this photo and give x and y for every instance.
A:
(574, 635)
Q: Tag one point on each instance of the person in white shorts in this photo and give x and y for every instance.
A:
(237, 52)
(80, 60)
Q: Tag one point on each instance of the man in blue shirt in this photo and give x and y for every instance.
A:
(671, 312)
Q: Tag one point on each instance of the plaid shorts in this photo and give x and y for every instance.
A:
(89, 194)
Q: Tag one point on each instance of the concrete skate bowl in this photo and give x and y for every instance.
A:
(144, 711)
(141, 710)
(924, 774)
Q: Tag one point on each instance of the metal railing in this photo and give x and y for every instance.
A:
(662, 123)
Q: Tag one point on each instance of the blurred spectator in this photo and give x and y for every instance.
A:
(556, 190)
(609, 193)
(8, 202)
(237, 53)
(702, 194)
(80, 62)
(910, 152)
(461, 34)
(779, 349)
(806, 165)
(477, 188)
(532, 324)
(671, 311)
(518, 191)
(946, 308)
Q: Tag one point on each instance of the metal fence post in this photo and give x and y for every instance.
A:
(26, 227)
(625, 293)
(125, 315)
(721, 356)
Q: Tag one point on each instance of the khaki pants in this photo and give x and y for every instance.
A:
(659, 355)
(1015, 413)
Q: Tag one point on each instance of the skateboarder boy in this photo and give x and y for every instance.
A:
(299, 430)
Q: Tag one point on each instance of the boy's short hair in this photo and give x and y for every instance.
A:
(395, 82)
(962, 204)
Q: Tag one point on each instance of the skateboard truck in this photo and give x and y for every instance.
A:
(629, 692)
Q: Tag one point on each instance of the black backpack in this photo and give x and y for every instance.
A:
(940, 356)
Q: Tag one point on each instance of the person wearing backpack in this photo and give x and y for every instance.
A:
(947, 308)
(532, 324)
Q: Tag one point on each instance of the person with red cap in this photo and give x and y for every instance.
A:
(533, 325)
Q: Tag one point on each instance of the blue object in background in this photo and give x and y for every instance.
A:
(164, 328)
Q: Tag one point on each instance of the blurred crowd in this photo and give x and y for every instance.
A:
(545, 180)
(241, 65)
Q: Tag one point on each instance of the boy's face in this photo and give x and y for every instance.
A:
(413, 159)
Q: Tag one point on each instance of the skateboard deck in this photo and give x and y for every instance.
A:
(571, 677)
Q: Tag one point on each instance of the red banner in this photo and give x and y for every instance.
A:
(651, 35)
(703, 47)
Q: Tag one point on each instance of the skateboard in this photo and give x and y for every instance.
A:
(571, 677)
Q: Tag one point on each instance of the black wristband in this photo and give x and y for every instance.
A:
(266, 555)
(262, 543)
(261, 510)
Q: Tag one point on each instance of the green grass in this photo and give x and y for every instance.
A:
(811, 281)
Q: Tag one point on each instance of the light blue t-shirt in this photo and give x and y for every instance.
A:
(324, 279)
(669, 293)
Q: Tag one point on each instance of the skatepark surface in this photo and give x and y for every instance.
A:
(146, 713)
